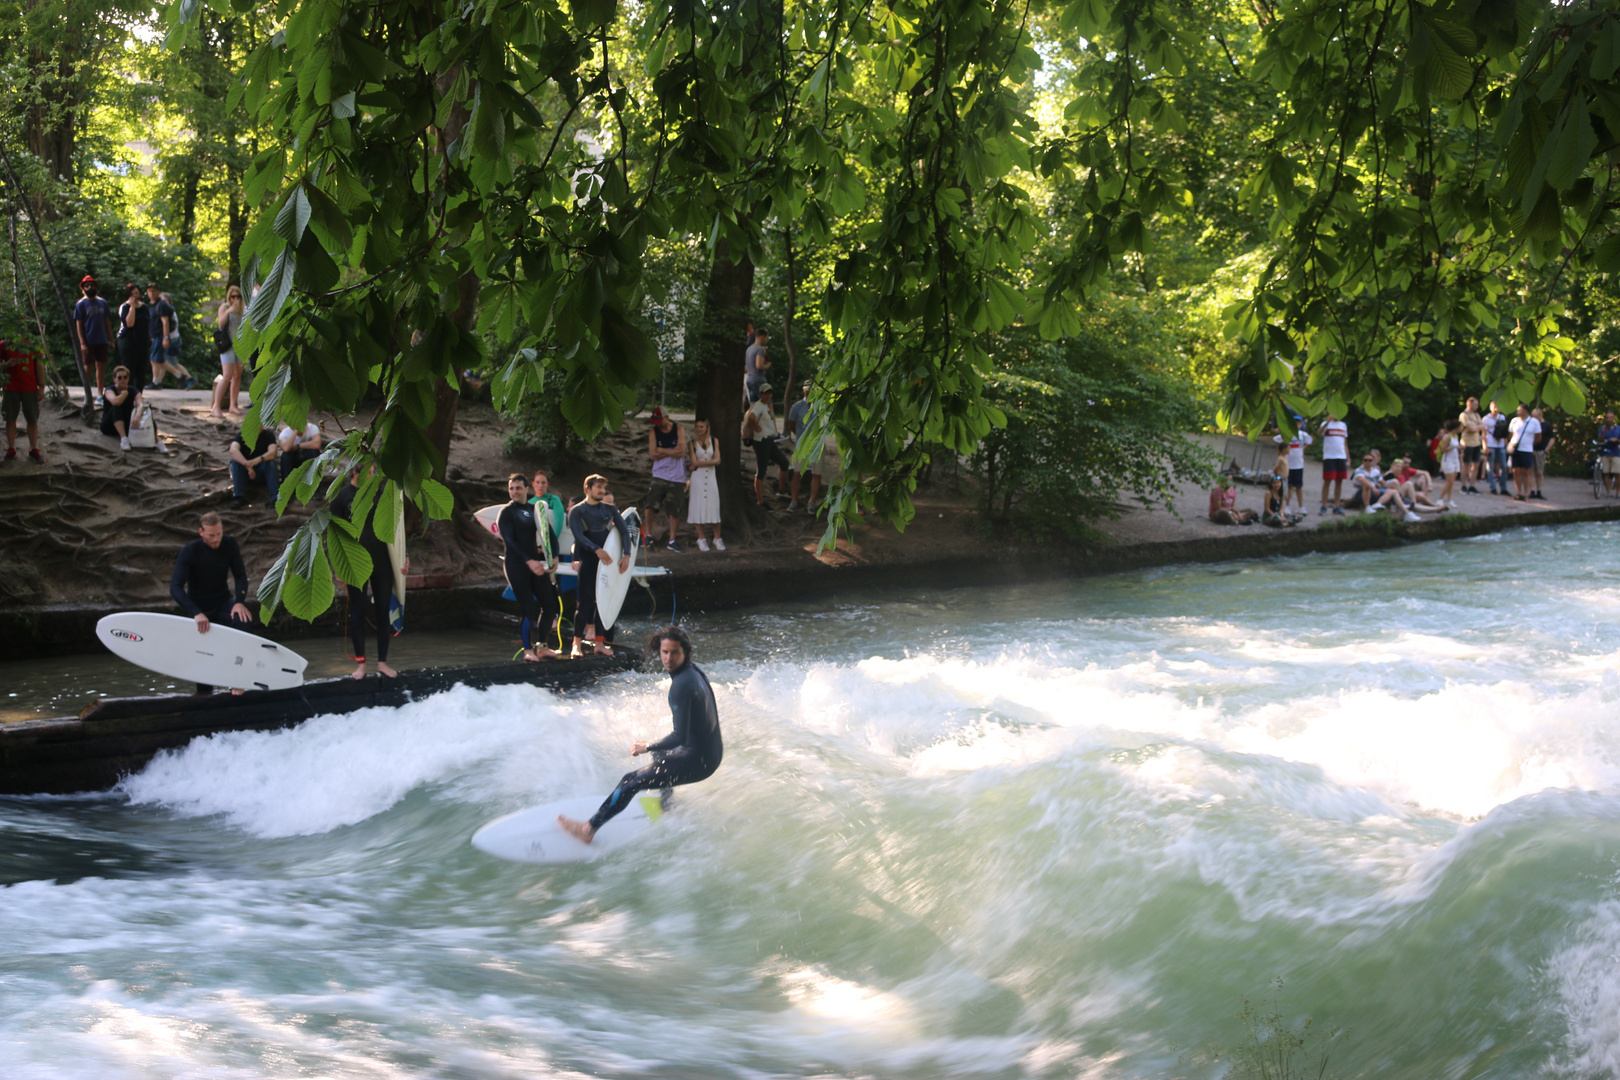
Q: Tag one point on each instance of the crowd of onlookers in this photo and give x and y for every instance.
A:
(1507, 453)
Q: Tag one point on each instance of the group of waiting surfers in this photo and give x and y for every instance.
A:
(209, 565)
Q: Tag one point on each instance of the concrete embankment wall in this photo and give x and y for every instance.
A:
(797, 576)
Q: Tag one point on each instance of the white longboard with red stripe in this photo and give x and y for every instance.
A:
(170, 645)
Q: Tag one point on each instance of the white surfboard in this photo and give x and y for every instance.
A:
(612, 586)
(490, 517)
(533, 835)
(396, 556)
(170, 645)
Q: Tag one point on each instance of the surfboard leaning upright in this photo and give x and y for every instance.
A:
(396, 556)
(612, 586)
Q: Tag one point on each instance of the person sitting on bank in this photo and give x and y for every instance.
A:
(525, 529)
(689, 753)
(257, 464)
(120, 403)
(199, 585)
(297, 447)
(1223, 504)
(591, 519)
(381, 583)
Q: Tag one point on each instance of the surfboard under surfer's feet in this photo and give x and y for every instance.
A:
(579, 830)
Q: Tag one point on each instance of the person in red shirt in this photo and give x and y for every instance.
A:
(25, 388)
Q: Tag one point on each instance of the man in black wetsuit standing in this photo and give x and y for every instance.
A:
(199, 584)
(689, 753)
(590, 521)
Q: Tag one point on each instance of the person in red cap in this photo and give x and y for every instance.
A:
(94, 323)
(666, 446)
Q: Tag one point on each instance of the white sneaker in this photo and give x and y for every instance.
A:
(1372, 509)
(123, 444)
(1410, 516)
(703, 545)
(719, 544)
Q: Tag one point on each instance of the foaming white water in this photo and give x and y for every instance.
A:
(339, 770)
(1586, 978)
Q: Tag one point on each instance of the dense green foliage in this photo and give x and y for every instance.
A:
(1343, 205)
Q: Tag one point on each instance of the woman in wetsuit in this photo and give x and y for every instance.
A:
(381, 582)
(530, 560)
(689, 753)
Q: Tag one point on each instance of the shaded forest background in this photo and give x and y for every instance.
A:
(1136, 195)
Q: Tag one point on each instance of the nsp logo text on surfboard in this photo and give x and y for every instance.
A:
(127, 635)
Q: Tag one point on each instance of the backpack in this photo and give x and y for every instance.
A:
(1434, 448)
(1501, 428)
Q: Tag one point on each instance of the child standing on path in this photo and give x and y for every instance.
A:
(1296, 465)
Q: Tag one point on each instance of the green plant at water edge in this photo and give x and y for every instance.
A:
(1356, 521)
(1274, 1050)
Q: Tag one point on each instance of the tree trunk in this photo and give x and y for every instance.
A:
(447, 394)
(718, 346)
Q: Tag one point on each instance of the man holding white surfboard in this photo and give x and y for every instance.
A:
(591, 520)
(689, 753)
(198, 584)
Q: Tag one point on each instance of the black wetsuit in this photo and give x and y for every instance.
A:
(522, 526)
(686, 755)
(199, 585)
(381, 582)
(590, 525)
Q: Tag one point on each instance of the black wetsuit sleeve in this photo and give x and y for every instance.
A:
(576, 522)
(624, 530)
(238, 570)
(693, 716)
(177, 583)
(515, 534)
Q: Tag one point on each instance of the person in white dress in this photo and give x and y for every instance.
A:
(703, 489)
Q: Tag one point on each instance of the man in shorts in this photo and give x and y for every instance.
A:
(1544, 441)
(1522, 446)
(666, 446)
(759, 431)
(95, 326)
(1609, 455)
(756, 363)
(1496, 462)
(1335, 462)
(1295, 448)
(25, 388)
(1473, 445)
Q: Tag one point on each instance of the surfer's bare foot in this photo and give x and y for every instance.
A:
(603, 649)
(530, 657)
(238, 690)
(359, 671)
(385, 670)
(579, 830)
(544, 653)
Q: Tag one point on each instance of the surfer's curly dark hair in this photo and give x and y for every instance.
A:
(670, 633)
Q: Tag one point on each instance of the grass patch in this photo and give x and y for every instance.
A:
(1381, 523)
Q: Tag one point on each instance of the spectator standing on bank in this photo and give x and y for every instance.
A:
(756, 365)
(1335, 462)
(227, 325)
(119, 405)
(759, 430)
(1544, 442)
(1608, 438)
(25, 389)
(255, 463)
(134, 337)
(703, 503)
(1496, 426)
(1522, 431)
(171, 350)
(94, 324)
(1296, 464)
(666, 447)
(1449, 451)
(1473, 445)
(164, 325)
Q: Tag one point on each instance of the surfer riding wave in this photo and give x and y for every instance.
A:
(688, 754)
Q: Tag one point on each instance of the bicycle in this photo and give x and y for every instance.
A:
(1594, 469)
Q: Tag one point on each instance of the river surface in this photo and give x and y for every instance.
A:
(1064, 830)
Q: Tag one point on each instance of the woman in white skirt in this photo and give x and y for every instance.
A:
(703, 489)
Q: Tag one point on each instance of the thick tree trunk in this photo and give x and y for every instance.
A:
(447, 395)
(718, 346)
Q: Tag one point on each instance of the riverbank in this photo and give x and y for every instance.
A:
(94, 531)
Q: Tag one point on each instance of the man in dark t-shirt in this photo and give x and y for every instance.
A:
(199, 582)
(254, 464)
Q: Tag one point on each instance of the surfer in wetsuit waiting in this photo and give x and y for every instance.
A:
(198, 584)
(381, 582)
(686, 755)
(525, 528)
(591, 518)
